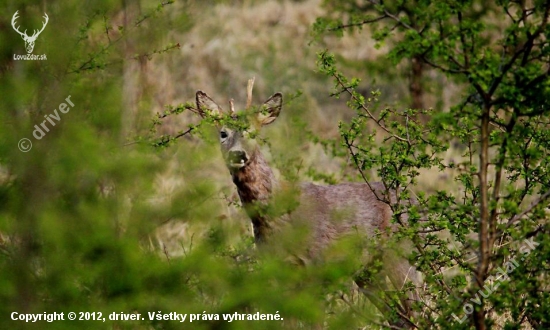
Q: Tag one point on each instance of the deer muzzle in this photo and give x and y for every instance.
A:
(236, 158)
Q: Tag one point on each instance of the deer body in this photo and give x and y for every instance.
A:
(318, 204)
(328, 212)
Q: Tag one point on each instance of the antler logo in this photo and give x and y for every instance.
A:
(29, 41)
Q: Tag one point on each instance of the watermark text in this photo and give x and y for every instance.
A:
(40, 130)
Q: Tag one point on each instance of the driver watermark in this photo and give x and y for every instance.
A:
(43, 128)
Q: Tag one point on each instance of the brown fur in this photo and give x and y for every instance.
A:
(255, 183)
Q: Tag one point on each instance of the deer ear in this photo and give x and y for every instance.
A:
(204, 102)
(269, 111)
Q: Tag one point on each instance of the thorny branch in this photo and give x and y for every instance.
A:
(378, 121)
(534, 204)
(357, 24)
(86, 65)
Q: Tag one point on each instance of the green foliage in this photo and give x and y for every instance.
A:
(79, 210)
(496, 53)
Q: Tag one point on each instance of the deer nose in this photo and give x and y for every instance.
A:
(237, 157)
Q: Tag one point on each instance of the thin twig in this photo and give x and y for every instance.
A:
(165, 252)
(534, 204)
(370, 115)
(367, 21)
(392, 16)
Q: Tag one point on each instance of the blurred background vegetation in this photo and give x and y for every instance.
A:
(96, 218)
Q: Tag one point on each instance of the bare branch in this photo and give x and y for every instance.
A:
(534, 204)
(349, 25)
(369, 114)
(392, 16)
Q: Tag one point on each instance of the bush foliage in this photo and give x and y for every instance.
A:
(497, 54)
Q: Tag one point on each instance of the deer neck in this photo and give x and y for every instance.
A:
(255, 184)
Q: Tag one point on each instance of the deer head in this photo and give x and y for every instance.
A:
(29, 40)
(237, 141)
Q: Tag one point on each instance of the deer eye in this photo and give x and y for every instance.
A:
(223, 135)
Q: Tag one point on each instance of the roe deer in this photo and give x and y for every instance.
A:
(328, 212)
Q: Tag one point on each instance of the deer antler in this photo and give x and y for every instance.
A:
(249, 92)
(24, 34)
(36, 32)
(231, 107)
(13, 19)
